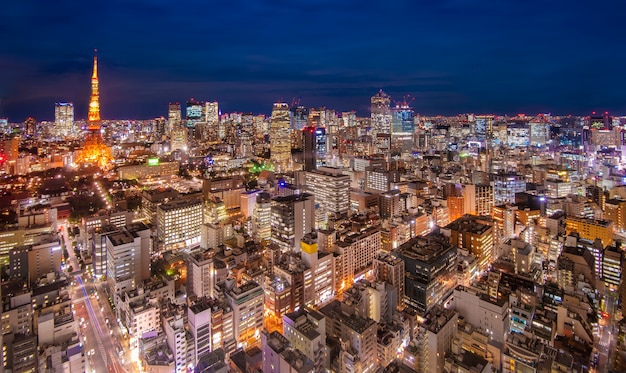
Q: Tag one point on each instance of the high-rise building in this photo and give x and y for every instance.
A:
(358, 338)
(435, 338)
(402, 127)
(299, 117)
(174, 117)
(178, 223)
(63, 118)
(306, 330)
(179, 138)
(331, 189)
(472, 233)
(246, 301)
(128, 257)
(213, 131)
(292, 218)
(280, 143)
(389, 204)
(430, 265)
(506, 185)
(211, 325)
(314, 147)
(484, 312)
(200, 273)
(591, 229)
(390, 269)
(381, 117)
(262, 217)
(194, 112)
(477, 199)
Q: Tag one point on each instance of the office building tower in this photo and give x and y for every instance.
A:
(174, 116)
(389, 204)
(435, 338)
(280, 144)
(475, 235)
(63, 119)
(314, 146)
(349, 119)
(380, 118)
(402, 127)
(201, 273)
(539, 133)
(309, 148)
(292, 217)
(379, 179)
(487, 313)
(279, 356)
(160, 127)
(248, 202)
(331, 190)
(477, 199)
(320, 268)
(213, 130)
(179, 138)
(194, 112)
(128, 257)
(354, 255)
(506, 185)
(211, 326)
(262, 217)
(299, 117)
(246, 302)
(178, 224)
(390, 269)
(591, 229)
(358, 338)
(305, 329)
(31, 262)
(430, 265)
(612, 259)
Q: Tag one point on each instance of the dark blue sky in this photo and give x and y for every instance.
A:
(453, 56)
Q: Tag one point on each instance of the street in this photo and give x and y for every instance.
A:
(605, 344)
(98, 327)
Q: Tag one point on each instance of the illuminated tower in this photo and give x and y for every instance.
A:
(381, 121)
(95, 152)
(279, 136)
(94, 102)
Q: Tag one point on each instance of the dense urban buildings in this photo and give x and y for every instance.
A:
(312, 240)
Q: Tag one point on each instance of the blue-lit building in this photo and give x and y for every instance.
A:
(315, 147)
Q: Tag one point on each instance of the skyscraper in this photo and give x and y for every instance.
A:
(292, 218)
(315, 145)
(279, 137)
(402, 127)
(430, 265)
(381, 118)
(63, 118)
(299, 116)
(173, 115)
(331, 189)
(213, 131)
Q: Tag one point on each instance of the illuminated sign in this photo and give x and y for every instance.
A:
(153, 161)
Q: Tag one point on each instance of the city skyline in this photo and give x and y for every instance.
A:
(453, 57)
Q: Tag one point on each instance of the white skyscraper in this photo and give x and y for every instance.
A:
(63, 118)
